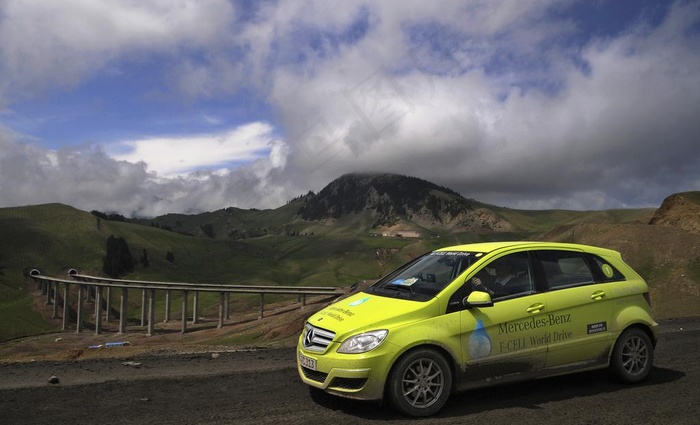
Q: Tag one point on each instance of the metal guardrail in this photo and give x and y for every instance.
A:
(93, 286)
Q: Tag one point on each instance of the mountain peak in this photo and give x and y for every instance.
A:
(389, 198)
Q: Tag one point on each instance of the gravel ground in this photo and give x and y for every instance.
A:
(223, 385)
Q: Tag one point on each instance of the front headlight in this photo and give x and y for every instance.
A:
(362, 343)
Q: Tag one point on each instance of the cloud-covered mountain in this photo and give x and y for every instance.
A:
(395, 200)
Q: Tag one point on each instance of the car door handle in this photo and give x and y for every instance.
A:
(598, 295)
(535, 308)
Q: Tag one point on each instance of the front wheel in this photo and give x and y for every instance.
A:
(420, 383)
(633, 356)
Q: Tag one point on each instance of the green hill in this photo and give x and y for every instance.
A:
(57, 237)
(537, 221)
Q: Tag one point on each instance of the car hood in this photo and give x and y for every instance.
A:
(364, 312)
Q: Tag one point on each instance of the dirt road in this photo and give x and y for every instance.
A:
(262, 387)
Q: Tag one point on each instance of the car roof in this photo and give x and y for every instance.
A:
(488, 247)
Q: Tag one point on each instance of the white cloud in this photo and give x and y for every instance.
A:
(48, 44)
(172, 156)
(89, 179)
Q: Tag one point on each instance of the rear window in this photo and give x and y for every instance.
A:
(608, 273)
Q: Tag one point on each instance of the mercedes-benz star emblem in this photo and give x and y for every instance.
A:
(308, 341)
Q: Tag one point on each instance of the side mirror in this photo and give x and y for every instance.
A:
(478, 299)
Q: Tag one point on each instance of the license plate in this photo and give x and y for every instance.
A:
(307, 362)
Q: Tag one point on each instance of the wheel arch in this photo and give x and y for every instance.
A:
(644, 327)
(635, 316)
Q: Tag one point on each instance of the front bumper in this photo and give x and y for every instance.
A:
(357, 376)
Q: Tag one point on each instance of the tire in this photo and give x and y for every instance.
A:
(633, 356)
(420, 383)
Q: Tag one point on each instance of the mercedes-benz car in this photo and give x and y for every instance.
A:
(477, 315)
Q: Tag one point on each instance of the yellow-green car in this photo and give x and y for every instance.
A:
(481, 314)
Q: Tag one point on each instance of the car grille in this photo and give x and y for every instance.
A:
(314, 375)
(317, 339)
(348, 383)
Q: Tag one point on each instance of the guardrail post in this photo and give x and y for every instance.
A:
(98, 310)
(222, 300)
(54, 315)
(123, 314)
(167, 306)
(195, 308)
(262, 305)
(184, 312)
(151, 312)
(66, 307)
(143, 307)
(303, 301)
(227, 305)
(108, 301)
(49, 286)
(79, 322)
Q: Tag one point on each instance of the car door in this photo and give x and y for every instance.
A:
(579, 310)
(510, 336)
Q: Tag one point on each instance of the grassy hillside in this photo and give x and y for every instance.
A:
(228, 223)
(56, 237)
(537, 221)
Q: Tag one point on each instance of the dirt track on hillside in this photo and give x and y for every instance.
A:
(261, 386)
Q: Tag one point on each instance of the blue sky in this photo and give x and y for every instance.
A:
(149, 107)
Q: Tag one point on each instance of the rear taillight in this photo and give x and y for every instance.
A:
(647, 297)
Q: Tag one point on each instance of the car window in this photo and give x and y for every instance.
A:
(608, 273)
(564, 269)
(507, 277)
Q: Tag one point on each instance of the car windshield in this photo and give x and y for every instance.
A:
(426, 276)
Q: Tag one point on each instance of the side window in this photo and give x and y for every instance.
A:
(608, 273)
(564, 269)
(506, 277)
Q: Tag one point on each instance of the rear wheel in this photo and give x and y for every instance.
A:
(420, 383)
(633, 356)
